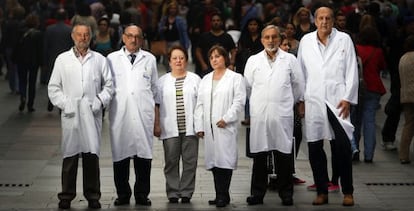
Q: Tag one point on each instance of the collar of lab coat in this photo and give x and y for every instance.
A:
(330, 37)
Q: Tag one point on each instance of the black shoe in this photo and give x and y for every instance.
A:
(64, 204)
(94, 204)
(368, 160)
(287, 201)
(355, 156)
(49, 107)
(31, 110)
(119, 201)
(22, 104)
(185, 200)
(143, 201)
(254, 200)
(212, 202)
(173, 200)
(405, 162)
(220, 203)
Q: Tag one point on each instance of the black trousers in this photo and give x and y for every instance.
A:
(284, 168)
(341, 149)
(222, 180)
(393, 110)
(27, 80)
(91, 181)
(142, 169)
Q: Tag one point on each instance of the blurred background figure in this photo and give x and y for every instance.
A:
(57, 39)
(28, 57)
(373, 61)
(105, 40)
(302, 22)
(11, 29)
(173, 29)
(406, 66)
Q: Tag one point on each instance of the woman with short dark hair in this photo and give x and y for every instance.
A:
(221, 97)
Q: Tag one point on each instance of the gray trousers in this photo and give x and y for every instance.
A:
(186, 148)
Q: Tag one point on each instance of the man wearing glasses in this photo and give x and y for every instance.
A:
(132, 116)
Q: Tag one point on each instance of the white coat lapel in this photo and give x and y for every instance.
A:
(222, 82)
(316, 50)
(266, 72)
(124, 59)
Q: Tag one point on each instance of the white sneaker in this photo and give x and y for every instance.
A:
(389, 146)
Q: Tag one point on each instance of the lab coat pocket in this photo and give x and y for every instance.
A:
(340, 61)
(67, 122)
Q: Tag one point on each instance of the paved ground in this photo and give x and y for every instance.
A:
(30, 164)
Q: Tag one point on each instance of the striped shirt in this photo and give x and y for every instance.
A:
(179, 83)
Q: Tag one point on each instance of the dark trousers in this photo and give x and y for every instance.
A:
(297, 133)
(341, 149)
(91, 181)
(27, 79)
(284, 180)
(222, 179)
(142, 169)
(393, 110)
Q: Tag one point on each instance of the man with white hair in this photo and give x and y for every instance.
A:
(80, 86)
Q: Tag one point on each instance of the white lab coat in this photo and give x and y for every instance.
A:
(273, 92)
(74, 87)
(331, 77)
(168, 105)
(220, 144)
(131, 112)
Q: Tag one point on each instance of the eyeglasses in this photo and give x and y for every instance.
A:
(130, 36)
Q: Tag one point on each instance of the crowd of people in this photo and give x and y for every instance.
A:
(283, 63)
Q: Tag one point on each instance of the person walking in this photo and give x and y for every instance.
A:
(327, 58)
(57, 39)
(80, 86)
(274, 84)
(177, 100)
(221, 97)
(132, 116)
(407, 99)
(28, 57)
(373, 61)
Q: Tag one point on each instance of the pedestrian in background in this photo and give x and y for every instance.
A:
(57, 39)
(80, 86)
(216, 36)
(407, 99)
(373, 62)
(28, 57)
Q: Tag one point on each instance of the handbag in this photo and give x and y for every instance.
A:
(158, 47)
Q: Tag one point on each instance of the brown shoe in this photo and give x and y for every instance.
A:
(320, 199)
(348, 200)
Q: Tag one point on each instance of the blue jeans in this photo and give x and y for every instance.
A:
(369, 109)
(356, 121)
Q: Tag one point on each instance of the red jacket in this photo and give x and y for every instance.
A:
(373, 62)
